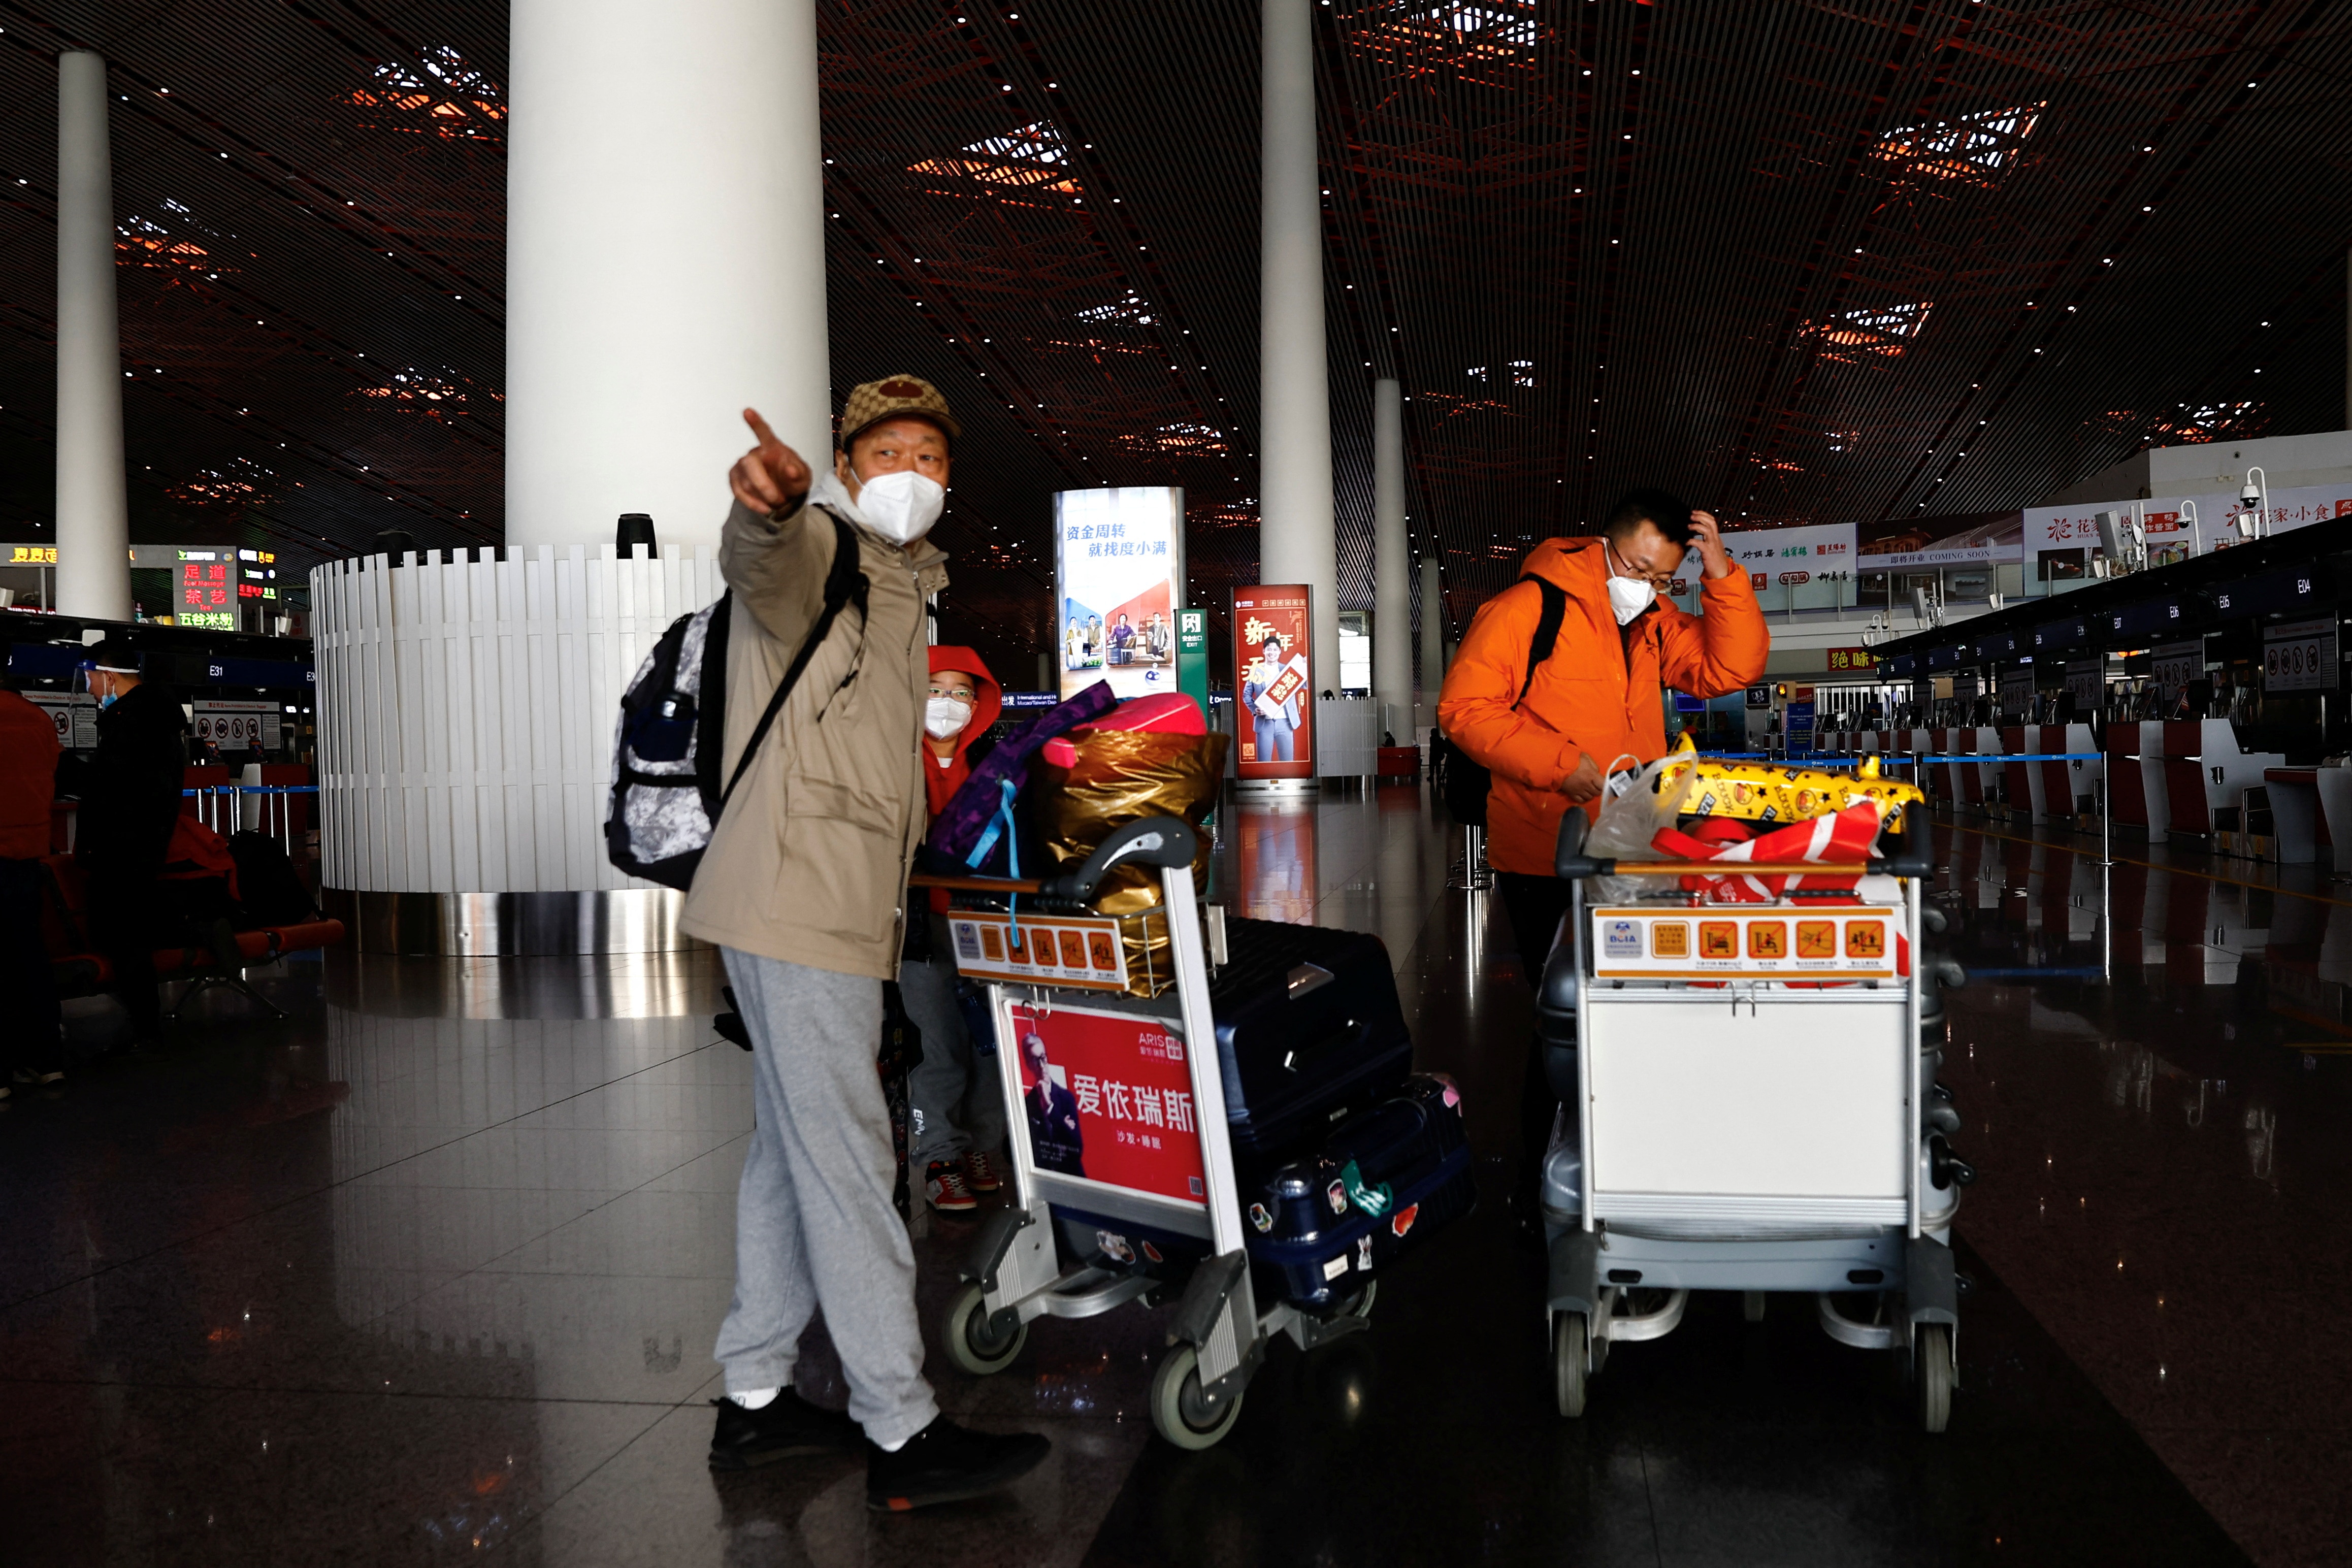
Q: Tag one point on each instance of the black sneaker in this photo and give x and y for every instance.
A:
(946, 1463)
(786, 1427)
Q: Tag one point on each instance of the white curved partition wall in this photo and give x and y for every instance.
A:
(465, 719)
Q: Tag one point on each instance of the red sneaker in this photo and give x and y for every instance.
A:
(943, 1184)
(980, 1173)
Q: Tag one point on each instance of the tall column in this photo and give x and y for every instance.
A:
(1294, 448)
(1391, 563)
(1433, 640)
(665, 258)
(93, 512)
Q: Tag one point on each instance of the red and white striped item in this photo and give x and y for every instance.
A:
(1841, 836)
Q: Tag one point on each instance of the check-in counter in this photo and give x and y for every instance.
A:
(2020, 783)
(2069, 789)
(2335, 789)
(2298, 831)
(2135, 788)
(2205, 774)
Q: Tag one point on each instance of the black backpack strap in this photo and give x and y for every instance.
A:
(711, 704)
(843, 584)
(1548, 623)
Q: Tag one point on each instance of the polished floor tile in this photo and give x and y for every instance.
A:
(452, 1241)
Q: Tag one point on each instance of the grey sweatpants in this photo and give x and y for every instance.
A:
(814, 1223)
(954, 1101)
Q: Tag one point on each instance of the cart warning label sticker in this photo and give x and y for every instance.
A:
(1335, 1267)
(1826, 943)
(1081, 951)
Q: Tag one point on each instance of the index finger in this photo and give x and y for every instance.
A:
(767, 437)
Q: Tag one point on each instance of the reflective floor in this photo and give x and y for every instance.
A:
(429, 1272)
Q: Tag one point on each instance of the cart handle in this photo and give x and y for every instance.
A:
(1162, 841)
(1571, 861)
(975, 884)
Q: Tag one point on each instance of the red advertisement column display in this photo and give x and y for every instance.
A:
(1274, 714)
(1108, 1097)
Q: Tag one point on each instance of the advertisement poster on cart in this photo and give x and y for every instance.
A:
(1272, 659)
(1108, 1097)
(1119, 569)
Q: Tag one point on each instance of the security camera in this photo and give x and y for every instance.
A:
(2251, 496)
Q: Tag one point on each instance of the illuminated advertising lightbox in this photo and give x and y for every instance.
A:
(1118, 569)
(1274, 713)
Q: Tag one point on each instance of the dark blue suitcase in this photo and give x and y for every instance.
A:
(1379, 1185)
(1320, 1227)
(1309, 1031)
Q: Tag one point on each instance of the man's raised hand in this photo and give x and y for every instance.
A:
(770, 476)
(1706, 538)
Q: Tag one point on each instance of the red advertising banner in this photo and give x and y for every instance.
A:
(1108, 1097)
(1274, 719)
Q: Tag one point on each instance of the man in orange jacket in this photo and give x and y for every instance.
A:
(1551, 736)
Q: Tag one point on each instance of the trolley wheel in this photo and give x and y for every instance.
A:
(1182, 1410)
(1360, 1306)
(974, 1344)
(1751, 1305)
(1568, 1370)
(1936, 1376)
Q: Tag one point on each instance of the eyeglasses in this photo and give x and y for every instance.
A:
(960, 693)
(1656, 580)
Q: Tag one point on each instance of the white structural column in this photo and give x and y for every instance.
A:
(1295, 515)
(1392, 565)
(664, 270)
(93, 512)
(1433, 640)
(665, 258)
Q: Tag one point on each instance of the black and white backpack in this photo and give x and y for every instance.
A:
(667, 796)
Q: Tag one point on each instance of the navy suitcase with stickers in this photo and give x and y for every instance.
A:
(1323, 1227)
(1326, 1224)
(1309, 1031)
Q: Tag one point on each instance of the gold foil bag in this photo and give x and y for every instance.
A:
(1122, 775)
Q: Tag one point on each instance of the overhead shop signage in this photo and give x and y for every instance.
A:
(1120, 573)
(1852, 660)
(28, 554)
(2183, 525)
(2300, 655)
(1790, 555)
(1921, 548)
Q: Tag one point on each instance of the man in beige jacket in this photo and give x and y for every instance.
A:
(804, 888)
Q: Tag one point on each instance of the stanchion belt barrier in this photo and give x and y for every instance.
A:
(1806, 758)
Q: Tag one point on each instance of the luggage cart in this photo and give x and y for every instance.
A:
(1219, 1334)
(1738, 1129)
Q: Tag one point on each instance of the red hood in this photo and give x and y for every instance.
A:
(989, 696)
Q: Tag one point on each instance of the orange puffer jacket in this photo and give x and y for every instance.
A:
(1598, 692)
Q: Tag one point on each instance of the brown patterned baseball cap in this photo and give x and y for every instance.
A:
(875, 401)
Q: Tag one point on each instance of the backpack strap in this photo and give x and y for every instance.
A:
(843, 584)
(1548, 623)
(710, 717)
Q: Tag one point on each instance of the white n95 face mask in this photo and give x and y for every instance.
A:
(944, 716)
(901, 507)
(1629, 597)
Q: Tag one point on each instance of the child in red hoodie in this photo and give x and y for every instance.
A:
(955, 1101)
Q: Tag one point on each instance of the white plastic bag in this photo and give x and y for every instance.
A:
(1635, 805)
